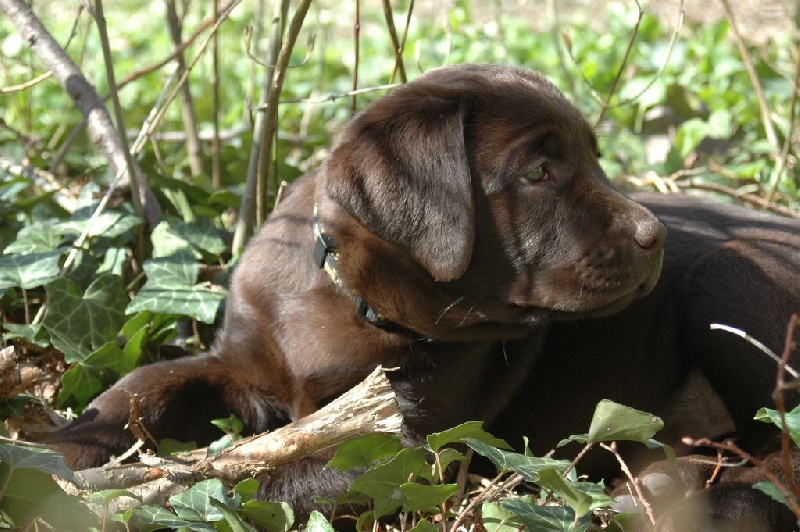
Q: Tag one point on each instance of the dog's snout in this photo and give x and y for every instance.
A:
(650, 233)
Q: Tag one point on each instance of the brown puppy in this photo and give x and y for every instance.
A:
(463, 230)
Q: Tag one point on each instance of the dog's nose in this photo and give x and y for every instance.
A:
(650, 234)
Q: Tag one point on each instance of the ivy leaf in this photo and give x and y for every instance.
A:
(195, 504)
(29, 270)
(543, 518)
(81, 323)
(426, 498)
(472, 430)
(109, 224)
(382, 482)
(90, 376)
(550, 479)
(38, 237)
(614, 422)
(151, 517)
(769, 415)
(171, 289)
(527, 466)
(44, 460)
(171, 236)
(364, 452)
(496, 518)
(273, 516)
(318, 523)
(29, 491)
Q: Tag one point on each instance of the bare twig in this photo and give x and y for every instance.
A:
(188, 114)
(216, 107)
(357, 51)
(250, 208)
(66, 72)
(780, 403)
(632, 481)
(368, 408)
(621, 69)
(730, 447)
(755, 343)
(763, 105)
(399, 67)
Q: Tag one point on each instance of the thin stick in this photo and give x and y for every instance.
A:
(632, 481)
(357, 45)
(755, 343)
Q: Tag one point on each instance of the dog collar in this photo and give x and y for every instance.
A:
(326, 257)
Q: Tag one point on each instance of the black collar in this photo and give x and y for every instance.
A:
(325, 256)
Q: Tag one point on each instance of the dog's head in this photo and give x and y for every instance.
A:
(488, 179)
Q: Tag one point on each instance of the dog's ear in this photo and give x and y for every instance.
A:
(400, 168)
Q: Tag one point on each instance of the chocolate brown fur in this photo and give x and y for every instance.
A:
(522, 304)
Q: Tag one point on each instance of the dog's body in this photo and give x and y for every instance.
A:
(498, 269)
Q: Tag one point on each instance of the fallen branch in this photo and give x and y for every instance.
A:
(368, 408)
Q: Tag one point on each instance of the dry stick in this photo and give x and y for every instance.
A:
(133, 76)
(780, 404)
(357, 45)
(216, 104)
(370, 407)
(752, 199)
(755, 343)
(787, 142)
(66, 72)
(250, 208)
(628, 49)
(632, 480)
(730, 447)
(188, 114)
(763, 106)
(399, 67)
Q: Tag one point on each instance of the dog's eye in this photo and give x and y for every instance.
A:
(537, 175)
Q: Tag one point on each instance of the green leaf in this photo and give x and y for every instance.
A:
(543, 518)
(472, 430)
(231, 518)
(41, 459)
(270, 516)
(35, 334)
(768, 415)
(90, 376)
(30, 270)
(318, 523)
(247, 488)
(171, 289)
(426, 498)
(496, 518)
(195, 504)
(151, 517)
(527, 466)
(363, 452)
(29, 491)
(382, 482)
(104, 497)
(423, 525)
(171, 236)
(552, 480)
(109, 224)
(772, 490)
(615, 422)
(81, 323)
(37, 237)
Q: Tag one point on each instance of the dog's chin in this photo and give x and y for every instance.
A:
(610, 303)
(586, 304)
